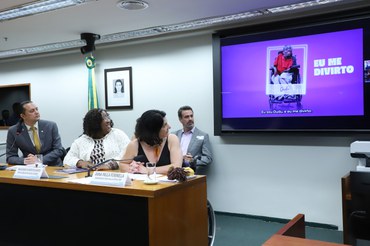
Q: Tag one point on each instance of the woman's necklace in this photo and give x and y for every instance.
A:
(157, 152)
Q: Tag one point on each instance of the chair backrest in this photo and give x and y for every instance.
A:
(360, 190)
(359, 219)
(294, 228)
(65, 151)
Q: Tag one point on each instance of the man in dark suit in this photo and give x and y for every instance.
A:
(195, 144)
(21, 137)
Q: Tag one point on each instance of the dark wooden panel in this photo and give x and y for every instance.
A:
(46, 216)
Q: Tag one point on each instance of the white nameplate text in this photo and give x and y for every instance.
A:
(110, 179)
(26, 172)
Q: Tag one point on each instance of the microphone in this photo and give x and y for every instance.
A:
(19, 131)
(138, 158)
(193, 164)
(19, 128)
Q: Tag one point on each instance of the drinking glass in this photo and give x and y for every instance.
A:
(39, 161)
(150, 166)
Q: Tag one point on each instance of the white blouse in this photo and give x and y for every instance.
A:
(115, 143)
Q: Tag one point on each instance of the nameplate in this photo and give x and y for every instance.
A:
(110, 179)
(27, 172)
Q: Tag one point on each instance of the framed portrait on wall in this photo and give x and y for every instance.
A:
(118, 88)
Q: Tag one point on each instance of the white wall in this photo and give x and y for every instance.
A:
(274, 175)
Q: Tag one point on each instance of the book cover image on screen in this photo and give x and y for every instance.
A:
(280, 81)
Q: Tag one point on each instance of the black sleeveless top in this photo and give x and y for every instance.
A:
(164, 159)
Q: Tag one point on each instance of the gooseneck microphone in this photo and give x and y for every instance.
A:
(139, 158)
(19, 128)
(18, 132)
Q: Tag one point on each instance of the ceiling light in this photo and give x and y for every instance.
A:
(291, 7)
(38, 7)
(132, 5)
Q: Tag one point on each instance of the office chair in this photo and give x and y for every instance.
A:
(211, 224)
(359, 219)
(65, 151)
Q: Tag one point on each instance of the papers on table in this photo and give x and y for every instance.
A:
(143, 177)
(159, 177)
(105, 178)
(14, 168)
(71, 170)
(64, 170)
(117, 179)
(86, 180)
(30, 172)
(114, 178)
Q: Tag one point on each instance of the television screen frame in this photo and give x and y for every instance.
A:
(232, 115)
(12, 93)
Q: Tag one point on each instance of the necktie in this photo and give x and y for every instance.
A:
(36, 139)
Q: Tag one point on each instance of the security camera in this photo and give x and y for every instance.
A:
(90, 39)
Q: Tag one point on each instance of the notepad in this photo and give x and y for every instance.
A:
(71, 170)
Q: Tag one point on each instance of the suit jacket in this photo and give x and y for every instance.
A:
(200, 146)
(18, 138)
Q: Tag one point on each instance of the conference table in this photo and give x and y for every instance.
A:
(58, 211)
(294, 234)
(281, 240)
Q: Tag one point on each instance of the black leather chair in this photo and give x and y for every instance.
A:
(211, 224)
(359, 219)
(65, 151)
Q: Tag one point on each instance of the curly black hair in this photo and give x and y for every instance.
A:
(92, 122)
(149, 125)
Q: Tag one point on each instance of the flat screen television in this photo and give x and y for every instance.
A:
(322, 84)
(10, 98)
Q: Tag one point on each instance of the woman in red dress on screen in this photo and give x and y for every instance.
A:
(282, 64)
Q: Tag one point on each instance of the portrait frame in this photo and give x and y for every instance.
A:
(118, 88)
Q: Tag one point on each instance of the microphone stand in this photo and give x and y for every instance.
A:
(95, 166)
(19, 130)
(15, 139)
(139, 158)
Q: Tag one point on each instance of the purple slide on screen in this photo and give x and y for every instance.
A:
(331, 76)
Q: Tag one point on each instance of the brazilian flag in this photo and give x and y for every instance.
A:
(93, 101)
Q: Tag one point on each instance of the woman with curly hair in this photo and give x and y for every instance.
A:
(99, 142)
(154, 142)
